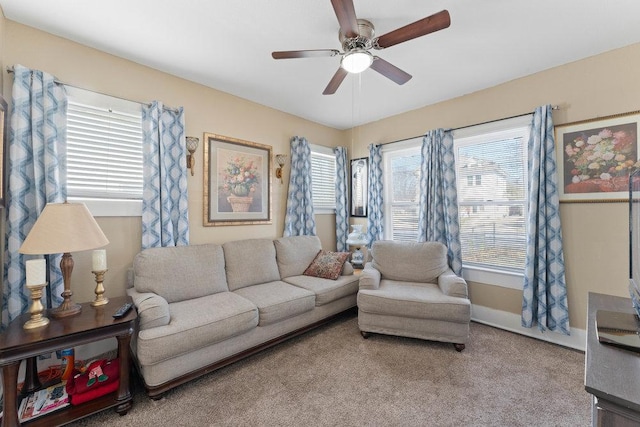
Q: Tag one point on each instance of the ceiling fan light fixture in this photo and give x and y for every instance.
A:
(356, 61)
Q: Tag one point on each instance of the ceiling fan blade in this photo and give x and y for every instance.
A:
(346, 14)
(335, 82)
(430, 24)
(390, 71)
(313, 53)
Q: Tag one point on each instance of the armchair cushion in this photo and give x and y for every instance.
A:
(414, 300)
(408, 261)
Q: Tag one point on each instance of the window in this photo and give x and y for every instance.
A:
(323, 179)
(491, 170)
(401, 183)
(104, 153)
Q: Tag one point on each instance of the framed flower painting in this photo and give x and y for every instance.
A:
(237, 181)
(595, 158)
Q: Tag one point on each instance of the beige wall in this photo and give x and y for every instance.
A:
(206, 110)
(595, 235)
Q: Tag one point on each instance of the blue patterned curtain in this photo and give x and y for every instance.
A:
(165, 208)
(342, 203)
(300, 219)
(375, 219)
(545, 291)
(438, 214)
(37, 176)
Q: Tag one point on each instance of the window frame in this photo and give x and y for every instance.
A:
(321, 150)
(409, 147)
(520, 126)
(105, 206)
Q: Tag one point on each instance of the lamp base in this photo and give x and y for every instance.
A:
(66, 309)
(36, 323)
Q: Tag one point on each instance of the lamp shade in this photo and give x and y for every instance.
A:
(61, 228)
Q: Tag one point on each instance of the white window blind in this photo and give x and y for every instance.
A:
(491, 170)
(401, 185)
(104, 147)
(323, 178)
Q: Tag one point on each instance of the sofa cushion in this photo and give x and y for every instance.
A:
(326, 290)
(278, 300)
(327, 265)
(180, 273)
(410, 261)
(197, 323)
(250, 262)
(416, 300)
(295, 253)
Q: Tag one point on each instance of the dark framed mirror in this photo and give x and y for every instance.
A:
(359, 187)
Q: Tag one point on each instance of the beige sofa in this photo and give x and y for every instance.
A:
(409, 290)
(202, 307)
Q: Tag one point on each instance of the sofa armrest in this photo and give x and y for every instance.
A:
(347, 269)
(369, 278)
(153, 310)
(453, 285)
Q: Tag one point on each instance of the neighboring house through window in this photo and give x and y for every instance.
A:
(104, 153)
(491, 170)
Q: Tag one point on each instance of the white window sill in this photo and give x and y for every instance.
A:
(324, 211)
(505, 279)
(111, 207)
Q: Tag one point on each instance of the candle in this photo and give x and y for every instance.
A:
(99, 260)
(36, 272)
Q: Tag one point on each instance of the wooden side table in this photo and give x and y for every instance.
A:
(92, 324)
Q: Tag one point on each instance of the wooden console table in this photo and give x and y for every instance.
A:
(611, 374)
(93, 324)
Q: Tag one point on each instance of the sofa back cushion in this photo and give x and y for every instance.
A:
(295, 254)
(250, 262)
(409, 261)
(180, 273)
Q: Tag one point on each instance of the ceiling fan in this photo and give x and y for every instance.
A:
(357, 37)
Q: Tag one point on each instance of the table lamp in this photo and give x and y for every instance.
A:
(64, 228)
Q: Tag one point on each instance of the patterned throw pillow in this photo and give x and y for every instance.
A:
(327, 265)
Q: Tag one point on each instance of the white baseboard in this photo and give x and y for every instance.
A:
(511, 322)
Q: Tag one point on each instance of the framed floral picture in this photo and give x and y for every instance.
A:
(596, 156)
(237, 181)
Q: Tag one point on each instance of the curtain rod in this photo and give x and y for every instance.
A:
(56, 81)
(555, 107)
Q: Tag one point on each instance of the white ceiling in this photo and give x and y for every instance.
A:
(227, 45)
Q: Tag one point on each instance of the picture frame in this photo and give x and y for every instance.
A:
(595, 158)
(237, 181)
(359, 186)
(4, 141)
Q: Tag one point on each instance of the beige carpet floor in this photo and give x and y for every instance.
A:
(334, 377)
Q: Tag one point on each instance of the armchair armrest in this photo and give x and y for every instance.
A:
(453, 285)
(153, 310)
(369, 278)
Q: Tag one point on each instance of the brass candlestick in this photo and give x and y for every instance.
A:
(37, 320)
(100, 298)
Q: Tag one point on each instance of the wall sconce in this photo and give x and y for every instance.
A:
(192, 145)
(281, 159)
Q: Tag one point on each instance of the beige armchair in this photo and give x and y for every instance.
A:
(408, 289)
